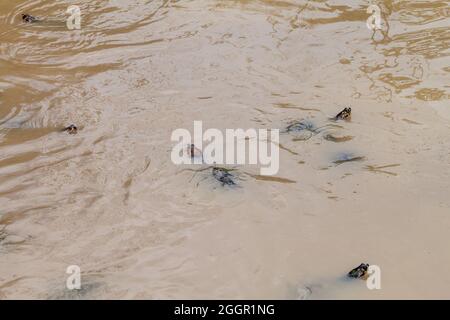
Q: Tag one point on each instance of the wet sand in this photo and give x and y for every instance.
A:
(374, 189)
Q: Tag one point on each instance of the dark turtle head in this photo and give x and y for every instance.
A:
(344, 114)
(359, 271)
(28, 18)
(364, 266)
(72, 129)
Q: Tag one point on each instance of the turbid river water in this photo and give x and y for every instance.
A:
(110, 200)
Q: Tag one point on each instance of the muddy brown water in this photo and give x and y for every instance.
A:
(110, 200)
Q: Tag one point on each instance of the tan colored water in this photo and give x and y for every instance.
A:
(110, 200)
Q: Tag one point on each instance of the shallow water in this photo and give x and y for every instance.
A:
(110, 200)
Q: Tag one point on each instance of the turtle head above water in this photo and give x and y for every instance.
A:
(345, 114)
(28, 18)
(72, 129)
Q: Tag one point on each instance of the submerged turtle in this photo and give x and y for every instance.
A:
(224, 176)
(302, 125)
(72, 129)
(345, 114)
(27, 18)
(345, 157)
(359, 272)
(303, 129)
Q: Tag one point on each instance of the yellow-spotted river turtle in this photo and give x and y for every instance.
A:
(345, 114)
(360, 271)
(72, 129)
(28, 18)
